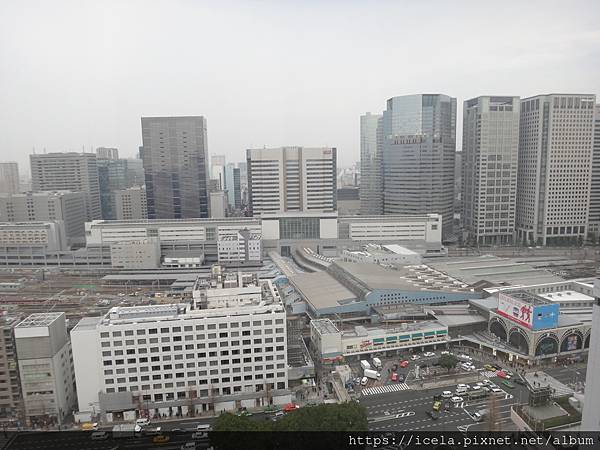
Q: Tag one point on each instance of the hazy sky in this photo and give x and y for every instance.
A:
(271, 73)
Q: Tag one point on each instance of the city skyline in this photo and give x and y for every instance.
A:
(80, 102)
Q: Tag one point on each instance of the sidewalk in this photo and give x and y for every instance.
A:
(543, 380)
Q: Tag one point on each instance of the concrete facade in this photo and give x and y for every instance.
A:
(76, 172)
(289, 179)
(9, 178)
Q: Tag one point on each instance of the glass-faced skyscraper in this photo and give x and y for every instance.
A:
(418, 145)
(175, 157)
(370, 166)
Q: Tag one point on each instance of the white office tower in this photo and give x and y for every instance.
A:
(418, 147)
(9, 178)
(292, 179)
(489, 176)
(45, 367)
(555, 165)
(168, 359)
(594, 215)
(77, 172)
(590, 419)
(371, 195)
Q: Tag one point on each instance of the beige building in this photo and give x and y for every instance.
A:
(130, 204)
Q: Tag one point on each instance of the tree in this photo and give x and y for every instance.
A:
(349, 417)
(448, 361)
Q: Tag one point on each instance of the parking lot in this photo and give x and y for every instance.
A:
(406, 405)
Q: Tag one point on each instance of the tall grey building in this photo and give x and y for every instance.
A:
(10, 400)
(107, 153)
(9, 177)
(292, 179)
(175, 157)
(60, 206)
(418, 146)
(77, 172)
(371, 195)
(233, 186)
(555, 159)
(489, 162)
(131, 204)
(594, 216)
(115, 175)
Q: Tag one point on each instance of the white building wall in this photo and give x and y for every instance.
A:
(88, 366)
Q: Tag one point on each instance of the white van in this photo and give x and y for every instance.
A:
(461, 390)
(143, 422)
(364, 381)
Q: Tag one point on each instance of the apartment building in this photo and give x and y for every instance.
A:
(555, 168)
(45, 368)
(489, 173)
(76, 172)
(169, 359)
(32, 237)
(288, 179)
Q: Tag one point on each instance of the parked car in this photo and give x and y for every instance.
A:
(503, 374)
(437, 405)
(489, 367)
(394, 376)
(404, 363)
(143, 422)
(415, 357)
(477, 417)
(447, 394)
(428, 354)
(278, 415)
(456, 399)
(497, 391)
(508, 384)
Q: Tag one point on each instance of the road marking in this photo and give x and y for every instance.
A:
(385, 389)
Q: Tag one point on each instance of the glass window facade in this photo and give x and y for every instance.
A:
(299, 228)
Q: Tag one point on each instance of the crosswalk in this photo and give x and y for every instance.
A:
(385, 389)
(488, 373)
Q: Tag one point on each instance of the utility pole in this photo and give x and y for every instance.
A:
(493, 414)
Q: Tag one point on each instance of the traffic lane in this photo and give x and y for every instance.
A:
(567, 374)
(446, 421)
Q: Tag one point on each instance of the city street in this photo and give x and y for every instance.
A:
(407, 409)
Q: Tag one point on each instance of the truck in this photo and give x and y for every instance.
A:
(126, 430)
(365, 365)
(372, 374)
(377, 363)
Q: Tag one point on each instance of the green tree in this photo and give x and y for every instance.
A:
(349, 416)
(448, 361)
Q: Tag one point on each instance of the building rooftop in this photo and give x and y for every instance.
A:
(365, 331)
(39, 320)
(324, 326)
(321, 290)
(525, 296)
(494, 269)
(567, 296)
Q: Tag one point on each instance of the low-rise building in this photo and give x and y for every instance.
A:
(45, 368)
(238, 247)
(142, 254)
(170, 359)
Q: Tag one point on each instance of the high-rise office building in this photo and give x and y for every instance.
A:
(371, 195)
(175, 157)
(594, 215)
(232, 186)
(77, 172)
(555, 167)
(9, 177)
(116, 175)
(489, 162)
(418, 146)
(60, 206)
(130, 203)
(292, 179)
(107, 153)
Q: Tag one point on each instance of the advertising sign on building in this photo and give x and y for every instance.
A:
(535, 317)
(515, 310)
